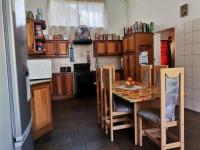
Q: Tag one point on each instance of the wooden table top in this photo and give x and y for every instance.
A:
(141, 93)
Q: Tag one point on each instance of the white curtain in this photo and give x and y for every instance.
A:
(65, 15)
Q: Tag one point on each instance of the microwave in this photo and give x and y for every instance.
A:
(39, 69)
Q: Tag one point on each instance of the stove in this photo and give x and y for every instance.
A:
(84, 80)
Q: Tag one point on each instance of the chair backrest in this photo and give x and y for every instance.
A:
(172, 93)
(112, 67)
(99, 82)
(146, 74)
(156, 74)
(107, 84)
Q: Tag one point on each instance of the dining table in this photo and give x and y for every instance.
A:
(140, 95)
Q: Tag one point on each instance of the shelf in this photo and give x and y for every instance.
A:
(42, 23)
(40, 39)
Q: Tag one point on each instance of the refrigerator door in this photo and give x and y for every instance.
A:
(6, 141)
(15, 36)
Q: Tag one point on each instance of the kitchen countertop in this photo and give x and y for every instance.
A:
(33, 82)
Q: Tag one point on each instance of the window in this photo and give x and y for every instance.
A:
(71, 13)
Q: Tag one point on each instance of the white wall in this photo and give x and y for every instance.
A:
(163, 13)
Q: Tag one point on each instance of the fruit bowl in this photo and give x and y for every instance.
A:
(129, 82)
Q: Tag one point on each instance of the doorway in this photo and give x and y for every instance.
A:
(167, 47)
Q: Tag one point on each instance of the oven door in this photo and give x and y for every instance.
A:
(84, 84)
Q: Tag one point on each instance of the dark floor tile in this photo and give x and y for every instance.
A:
(75, 127)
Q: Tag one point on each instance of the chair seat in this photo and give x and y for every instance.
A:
(150, 114)
(122, 107)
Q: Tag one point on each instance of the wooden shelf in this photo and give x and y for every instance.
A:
(42, 23)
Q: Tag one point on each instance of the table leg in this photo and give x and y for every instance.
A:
(135, 107)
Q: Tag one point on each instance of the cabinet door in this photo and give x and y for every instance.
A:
(119, 47)
(125, 64)
(125, 45)
(62, 48)
(50, 48)
(131, 44)
(59, 87)
(131, 59)
(112, 48)
(30, 36)
(41, 106)
(100, 48)
(68, 81)
(117, 76)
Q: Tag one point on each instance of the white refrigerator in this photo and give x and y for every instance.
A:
(15, 114)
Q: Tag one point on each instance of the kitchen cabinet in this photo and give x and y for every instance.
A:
(118, 75)
(30, 30)
(57, 48)
(41, 109)
(63, 85)
(133, 46)
(107, 47)
(50, 48)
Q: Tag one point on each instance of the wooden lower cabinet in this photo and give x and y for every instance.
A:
(63, 86)
(41, 109)
(126, 68)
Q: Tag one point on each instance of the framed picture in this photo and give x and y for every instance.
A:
(184, 10)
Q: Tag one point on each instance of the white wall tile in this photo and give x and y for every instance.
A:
(180, 50)
(196, 48)
(196, 83)
(188, 82)
(196, 94)
(180, 61)
(180, 39)
(188, 61)
(188, 38)
(196, 60)
(196, 24)
(188, 49)
(196, 37)
(188, 27)
(196, 72)
(196, 106)
(188, 71)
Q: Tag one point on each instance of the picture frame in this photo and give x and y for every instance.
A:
(184, 10)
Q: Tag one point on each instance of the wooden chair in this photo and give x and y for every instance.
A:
(99, 88)
(156, 74)
(172, 93)
(146, 74)
(100, 91)
(115, 112)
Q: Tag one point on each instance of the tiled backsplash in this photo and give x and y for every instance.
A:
(80, 52)
(188, 56)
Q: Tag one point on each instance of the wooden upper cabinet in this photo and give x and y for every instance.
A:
(107, 47)
(119, 47)
(50, 48)
(100, 48)
(41, 109)
(131, 43)
(125, 64)
(131, 61)
(68, 87)
(112, 48)
(62, 48)
(125, 45)
(30, 30)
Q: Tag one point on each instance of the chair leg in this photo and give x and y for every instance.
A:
(111, 135)
(140, 131)
(163, 138)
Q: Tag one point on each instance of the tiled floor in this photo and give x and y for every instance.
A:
(75, 128)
